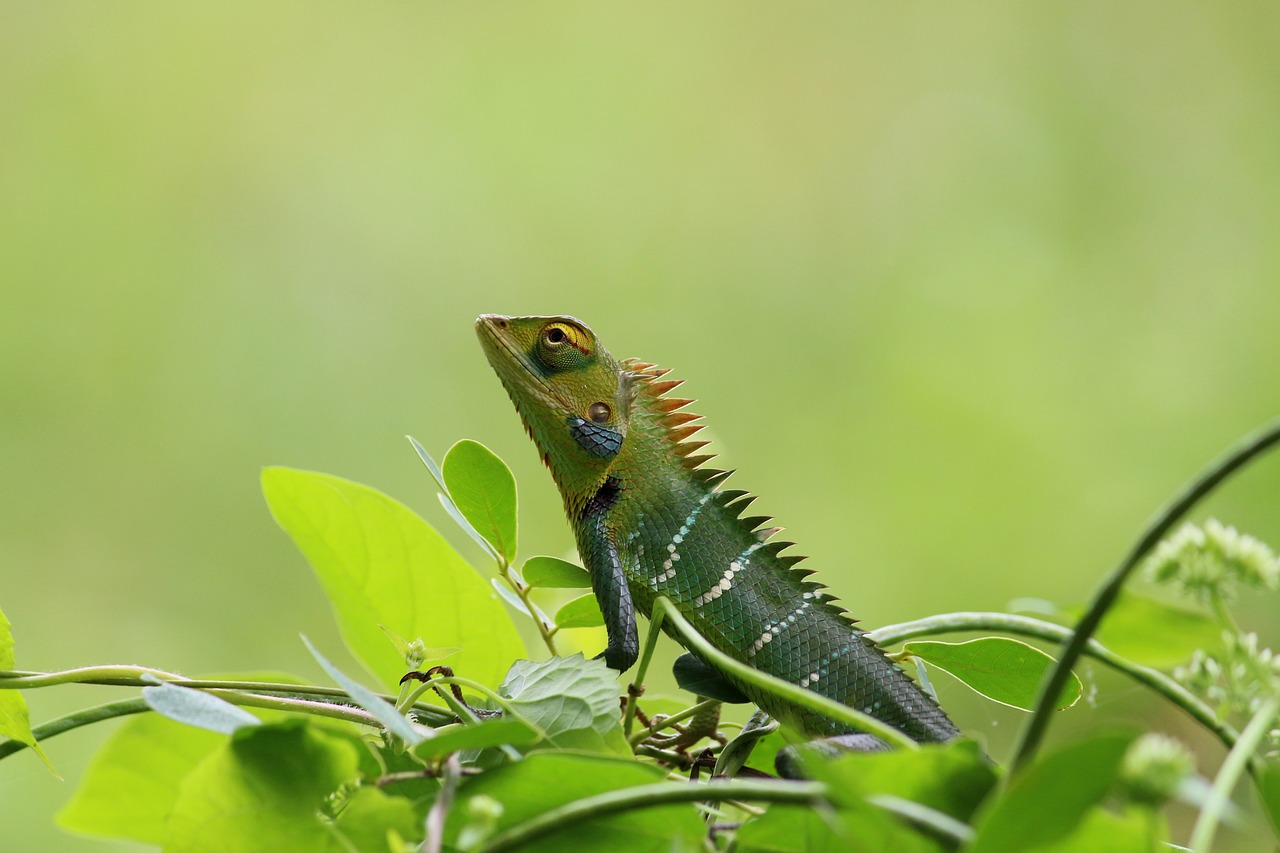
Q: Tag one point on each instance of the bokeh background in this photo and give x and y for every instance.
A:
(966, 292)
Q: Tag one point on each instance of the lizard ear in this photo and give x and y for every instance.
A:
(604, 427)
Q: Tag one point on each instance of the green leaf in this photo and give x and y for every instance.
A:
(1103, 832)
(1048, 801)
(1004, 670)
(951, 778)
(197, 708)
(483, 489)
(582, 612)
(262, 791)
(490, 733)
(447, 502)
(391, 719)
(380, 564)
(1151, 632)
(573, 700)
(368, 816)
(15, 723)
(554, 573)
(132, 781)
(545, 780)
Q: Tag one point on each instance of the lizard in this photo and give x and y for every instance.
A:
(650, 518)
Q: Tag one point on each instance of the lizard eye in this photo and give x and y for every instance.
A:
(599, 412)
(563, 346)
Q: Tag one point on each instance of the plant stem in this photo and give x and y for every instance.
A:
(119, 676)
(1051, 686)
(434, 841)
(1011, 624)
(76, 719)
(636, 686)
(644, 734)
(124, 707)
(521, 589)
(1229, 774)
(646, 796)
(807, 699)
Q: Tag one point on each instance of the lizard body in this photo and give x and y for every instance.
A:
(651, 519)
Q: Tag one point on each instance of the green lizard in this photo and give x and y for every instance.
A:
(651, 519)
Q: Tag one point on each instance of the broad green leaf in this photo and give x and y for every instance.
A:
(574, 701)
(197, 708)
(554, 573)
(14, 720)
(1004, 670)
(132, 780)
(391, 719)
(262, 791)
(1048, 800)
(951, 778)
(582, 612)
(482, 735)
(484, 491)
(1151, 632)
(371, 813)
(545, 780)
(380, 564)
(1103, 832)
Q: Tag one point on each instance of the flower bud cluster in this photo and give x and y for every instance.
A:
(1214, 559)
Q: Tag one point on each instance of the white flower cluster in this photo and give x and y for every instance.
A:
(1213, 559)
(1237, 681)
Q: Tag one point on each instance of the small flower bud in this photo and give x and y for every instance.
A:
(1153, 768)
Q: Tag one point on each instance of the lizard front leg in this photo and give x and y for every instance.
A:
(609, 583)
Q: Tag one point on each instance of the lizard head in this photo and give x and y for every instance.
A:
(573, 396)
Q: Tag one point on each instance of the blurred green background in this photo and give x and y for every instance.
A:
(965, 292)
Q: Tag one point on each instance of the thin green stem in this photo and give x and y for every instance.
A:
(666, 722)
(76, 719)
(115, 676)
(434, 841)
(490, 694)
(1229, 775)
(123, 707)
(642, 670)
(118, 675)
(647, 796)
(1051, 686)
(347, 713)
(1011, 624)
(522, 590)
(807, 699)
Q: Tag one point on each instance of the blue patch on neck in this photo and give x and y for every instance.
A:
(595, 439)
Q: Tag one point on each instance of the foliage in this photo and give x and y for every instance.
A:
(496, 752)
